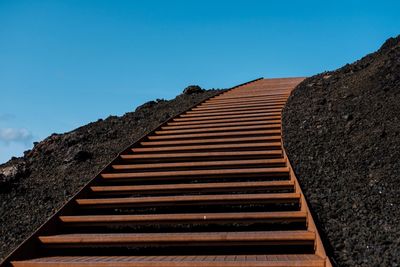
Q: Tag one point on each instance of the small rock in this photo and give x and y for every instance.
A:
(12, 172)
(82, 156)
(348, 117)
(192, 89)
(7, 173)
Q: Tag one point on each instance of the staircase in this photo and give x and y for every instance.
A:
(210, 187)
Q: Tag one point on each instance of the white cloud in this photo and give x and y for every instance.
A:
(21, 135)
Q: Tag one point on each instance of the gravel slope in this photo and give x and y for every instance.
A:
(342, 134)
(33, 187)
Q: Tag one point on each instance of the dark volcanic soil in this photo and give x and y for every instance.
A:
(342, 134)
(33, 187)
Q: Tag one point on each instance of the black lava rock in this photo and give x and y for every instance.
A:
(341, 132)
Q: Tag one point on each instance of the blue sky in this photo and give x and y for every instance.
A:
(66, 63)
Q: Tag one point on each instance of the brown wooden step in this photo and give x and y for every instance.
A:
(271, 88)
(276, 138)
(243, 100)
(217, 134)
(194, 218)
(221, 129)
(248, 146)
(226, 120)
(241, 116)
(242, 260)
(278, 198)
(195, 187)
(248, 104)
(276, 171)
(219, 124)
(247, 96)
(204, 164)
(182, 239)
(216, 102)
(235, 108)
(239, 112)
(255, 92)
(208, 155)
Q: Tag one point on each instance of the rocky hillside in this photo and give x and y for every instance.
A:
(34, 186)
(342, 134)
(341, 131)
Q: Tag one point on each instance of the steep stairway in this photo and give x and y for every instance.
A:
(210, 187)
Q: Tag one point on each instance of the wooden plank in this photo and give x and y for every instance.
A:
(186, 239)
(195, 187)
(226, 120)
(239, 112)
(216, 134)
(230, 116)
(192, 164)
(193, 155)
(267, 172)
(248, 104)
(223, 124)
(241, 100)
(213, 141)
(298, 260)
(236, 108)
(278, 198)
(248, 96)
(248, 146)
(264, 217)
(220, 129)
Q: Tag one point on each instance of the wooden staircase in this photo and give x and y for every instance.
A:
(210, 187)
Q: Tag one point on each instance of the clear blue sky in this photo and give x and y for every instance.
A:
(66, 63)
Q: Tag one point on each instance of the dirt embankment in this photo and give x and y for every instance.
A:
(342, 134)
(33, 187)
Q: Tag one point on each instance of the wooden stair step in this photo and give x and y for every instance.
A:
(194, 218)
(257, 91)
(243, 101)
(254, 93)
(278, 198)
(225, 124)
(220, 129)
(274, 171)
(182, 239)
(215, 134)
(262, 88)
(276, 138)
(279, 260)
(235, 108)
(226, 120)
(208, 155)
(192, 164)
(215, 102)
(238, 112)
(255, 96)
(248, 146)
(254, 104)
(195, 187)
(207, 118)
